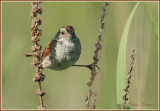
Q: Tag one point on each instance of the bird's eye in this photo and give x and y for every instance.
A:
(62, 32)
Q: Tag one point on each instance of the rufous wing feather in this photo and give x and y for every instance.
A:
(47, 50)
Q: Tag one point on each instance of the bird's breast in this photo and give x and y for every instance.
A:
(65, 53)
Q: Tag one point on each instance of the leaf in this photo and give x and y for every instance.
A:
(154, 21)
(121, 61)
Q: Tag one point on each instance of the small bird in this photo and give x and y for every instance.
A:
(62, 51)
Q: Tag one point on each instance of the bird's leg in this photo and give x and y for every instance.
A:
(87, 66)
(90, 66)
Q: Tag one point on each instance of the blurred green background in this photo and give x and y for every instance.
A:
(68, 89)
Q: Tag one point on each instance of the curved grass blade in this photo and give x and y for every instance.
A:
(154, 21)
(121, 61)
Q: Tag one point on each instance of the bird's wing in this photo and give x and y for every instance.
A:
(48, 48)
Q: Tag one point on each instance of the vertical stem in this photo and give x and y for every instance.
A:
(93, 66)
(128, 80)
(36, 49)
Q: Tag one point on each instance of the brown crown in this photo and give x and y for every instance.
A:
(68, 28)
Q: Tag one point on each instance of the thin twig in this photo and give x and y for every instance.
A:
(93, 66)
(36, 49)
(128, 80)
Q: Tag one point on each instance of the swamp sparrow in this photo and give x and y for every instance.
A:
(62, 51)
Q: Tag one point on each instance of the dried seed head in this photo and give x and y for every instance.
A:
(36, 9)
(89, 83)
(94, 64)
(36, 32)
(35, 61)
(42, 77)
(35, 39)
(38, 77)
(36, 21)
(33, 49)
(40, 92)
(36, 48)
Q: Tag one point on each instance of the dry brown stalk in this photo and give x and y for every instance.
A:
(128, 80)
(93, 66)
(36, 49)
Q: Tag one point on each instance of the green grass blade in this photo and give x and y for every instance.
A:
(154, 21)
(121, 61)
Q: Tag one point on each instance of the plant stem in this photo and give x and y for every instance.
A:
(128, 80)
(36, 49)
(93, 66)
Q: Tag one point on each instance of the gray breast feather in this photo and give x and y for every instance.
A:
(65, 53)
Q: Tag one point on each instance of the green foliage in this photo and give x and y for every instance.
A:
(154, 21)
(121, 61)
